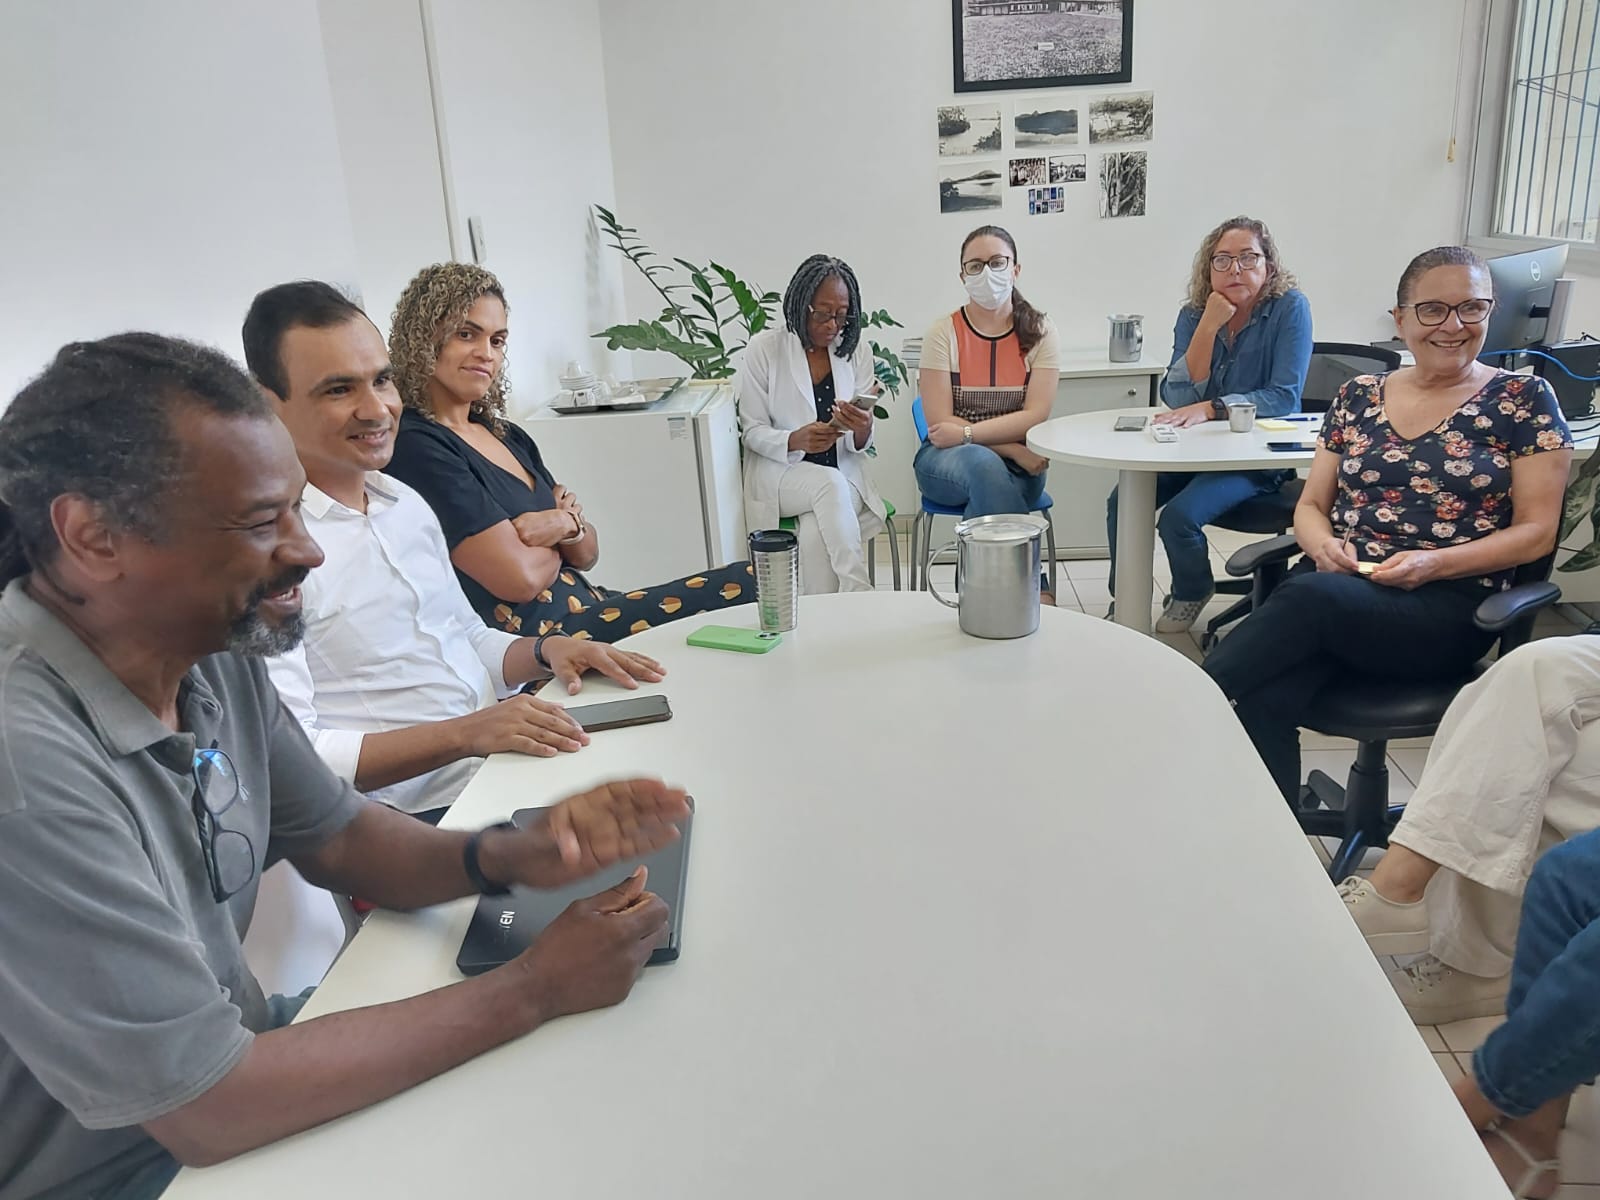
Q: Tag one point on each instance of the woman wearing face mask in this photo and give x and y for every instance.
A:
(806, 441)
(1243, 336)
(518, 539)
(988, 376)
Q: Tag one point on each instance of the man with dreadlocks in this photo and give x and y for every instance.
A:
(151, 551)
(807, 441)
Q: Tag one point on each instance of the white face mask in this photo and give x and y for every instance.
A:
(990, 288)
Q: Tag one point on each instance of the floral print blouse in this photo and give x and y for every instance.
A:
(1449, 486)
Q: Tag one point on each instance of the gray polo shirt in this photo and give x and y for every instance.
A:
(124, 992)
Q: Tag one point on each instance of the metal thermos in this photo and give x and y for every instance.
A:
(997, 562)
(1127, 337)
(775, 558)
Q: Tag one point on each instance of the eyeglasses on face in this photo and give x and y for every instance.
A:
(1437, 312)
(229, 855)
(1248, 261)
(822, 316)
(975, 266)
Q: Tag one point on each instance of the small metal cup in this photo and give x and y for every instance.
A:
(775, 559)
(1241, 416)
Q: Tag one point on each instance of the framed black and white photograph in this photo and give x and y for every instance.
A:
(1068, 168)
(969, 129)
(1028, 172)
(966, 187)
(1130, 117)
(1008, 44)
(1122, 183)
(1044, 127)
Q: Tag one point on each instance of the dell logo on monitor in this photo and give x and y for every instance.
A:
(1535, 270)
(507, 918)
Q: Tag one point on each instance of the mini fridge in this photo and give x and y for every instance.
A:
(662, 484)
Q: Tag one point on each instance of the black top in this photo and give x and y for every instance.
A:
(822, 390)
(469, 494)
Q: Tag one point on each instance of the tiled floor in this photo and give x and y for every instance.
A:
(1083, 586)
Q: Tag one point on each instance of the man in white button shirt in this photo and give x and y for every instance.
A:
(399, 684)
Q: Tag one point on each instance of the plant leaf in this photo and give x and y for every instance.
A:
(653, 335)
(880, 412)
(1578, 502)
(1583, 559)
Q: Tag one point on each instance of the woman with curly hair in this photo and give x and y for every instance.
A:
(1430, 486)
(807, 441)
(1244, 335)
(518, 539)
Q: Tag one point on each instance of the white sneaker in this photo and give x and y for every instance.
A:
(1435, 993)
(1178, 615)
(1389, 927)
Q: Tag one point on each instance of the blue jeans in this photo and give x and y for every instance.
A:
(150, 1180)
(1317, 626)
(976, 480)
(1188, 502)
(1550, 1042)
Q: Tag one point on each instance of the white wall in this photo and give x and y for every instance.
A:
(161, 163)
(377, 69)
(529, 145)
(760, 133)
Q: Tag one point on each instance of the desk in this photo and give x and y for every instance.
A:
(924, 957)
(1089, 439)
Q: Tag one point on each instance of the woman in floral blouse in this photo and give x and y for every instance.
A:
(1430, 485)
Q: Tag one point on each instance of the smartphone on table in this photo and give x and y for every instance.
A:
(1128, 424)
(619, 714)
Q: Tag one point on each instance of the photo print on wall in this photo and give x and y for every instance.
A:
(1001, 44)
(1122, 183)
(965, 187)
(1068, 168)
(1029, 172)
(969, 129)
(1045, 127)
(1129, 117)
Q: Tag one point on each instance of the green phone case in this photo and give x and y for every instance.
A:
(726, 637)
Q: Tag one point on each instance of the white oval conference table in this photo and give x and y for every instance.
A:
(963, 919)
(1091, 439)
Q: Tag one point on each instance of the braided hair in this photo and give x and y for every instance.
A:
(101, 422)
(802, 289)
(1027, 320)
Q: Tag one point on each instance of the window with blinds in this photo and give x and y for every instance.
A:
(1547, 186)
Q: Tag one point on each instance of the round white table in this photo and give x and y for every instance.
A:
(1090, 439)
(959, 923)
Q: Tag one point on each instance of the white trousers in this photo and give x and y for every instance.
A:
(1514, 770)
(828, 511)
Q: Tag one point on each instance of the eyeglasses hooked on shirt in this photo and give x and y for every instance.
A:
(230, 856)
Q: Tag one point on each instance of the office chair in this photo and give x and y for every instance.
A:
(922, 524)
(1372, 711)
(1333, 364)
(872, 555)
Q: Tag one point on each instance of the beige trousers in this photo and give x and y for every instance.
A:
(1514, 770)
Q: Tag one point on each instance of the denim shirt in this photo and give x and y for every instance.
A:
(1265, 364)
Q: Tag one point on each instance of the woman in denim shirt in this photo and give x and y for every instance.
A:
(1244, 335)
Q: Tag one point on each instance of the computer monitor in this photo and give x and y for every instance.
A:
(1524, 289)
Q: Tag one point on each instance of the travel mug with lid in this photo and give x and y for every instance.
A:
(775, 559)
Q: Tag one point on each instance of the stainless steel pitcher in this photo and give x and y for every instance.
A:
(997, 564)
(1127, 337)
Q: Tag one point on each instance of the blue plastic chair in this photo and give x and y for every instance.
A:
(922, 523)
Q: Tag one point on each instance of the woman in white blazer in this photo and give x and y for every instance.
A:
(805, 441)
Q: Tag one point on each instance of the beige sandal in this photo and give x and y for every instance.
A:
(1536, 1168)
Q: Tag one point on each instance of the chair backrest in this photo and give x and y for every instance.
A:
(1333, 364)
(920, 421)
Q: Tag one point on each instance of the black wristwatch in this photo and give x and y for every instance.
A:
(469, 862)
(1219, 410)
(538, 644)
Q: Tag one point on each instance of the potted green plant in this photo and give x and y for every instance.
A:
(709, 313)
